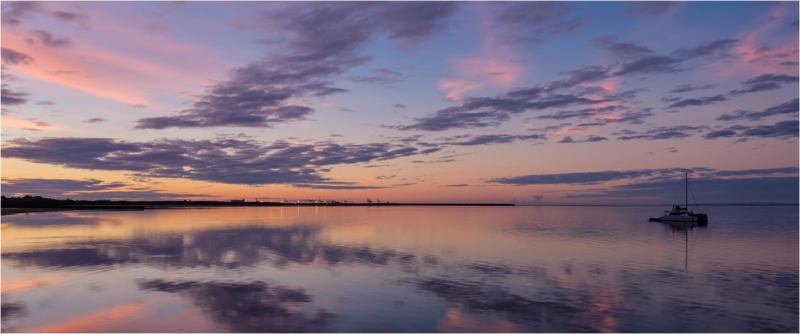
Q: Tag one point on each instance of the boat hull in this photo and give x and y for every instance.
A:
(700, 218)
(688, 219)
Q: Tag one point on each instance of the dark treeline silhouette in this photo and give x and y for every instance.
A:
(29, 201)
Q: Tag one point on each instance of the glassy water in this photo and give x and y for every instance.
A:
(400, 269)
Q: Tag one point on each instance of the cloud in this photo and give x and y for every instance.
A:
(755, 88)
(752, 172)
(412, 21)
(780, 129)
(496, 139)
(229, 161)
(12, 57)
(651, 8)
(714, 48)
(380, 76)
(430, 150)
(477, 112)
(84, 189)
(590, 139)
(582, 75)
(551, 128)
(707, 189)
(650, 65)
(55, 187)
(754, 55)
(720, 133)
(622, 51)
(655, 64)
(660, 133)
(96, 120)
(81, 20)
(322, 42)
(528, 22)
(399, 105)
(689, 88)
(581, 113)
(629, 117)
(38, 123)
(764, 82)
(790, 107)
(49, 40)
(776, 78)
(700, 101)
(586, 177)
(494, 67)
(15, 12)
(647, 179)
(335, 187)
(460, 185)
(12, 98)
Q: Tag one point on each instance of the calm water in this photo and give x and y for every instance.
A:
(400, 269)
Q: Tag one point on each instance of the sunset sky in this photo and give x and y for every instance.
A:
(524, 102)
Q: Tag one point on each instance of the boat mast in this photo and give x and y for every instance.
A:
(687, 191)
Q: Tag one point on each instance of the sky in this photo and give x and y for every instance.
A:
(443, 102)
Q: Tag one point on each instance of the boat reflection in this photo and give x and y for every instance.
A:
(684, 228)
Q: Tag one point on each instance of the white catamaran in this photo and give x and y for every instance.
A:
(682, 214)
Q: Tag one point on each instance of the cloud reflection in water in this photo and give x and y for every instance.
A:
(249, 307)
(259, 277)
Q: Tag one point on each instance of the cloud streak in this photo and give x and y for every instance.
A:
(12, 57)
(700, 101)
(228, 161)
(635, 60)
(324, 42)
(781, 130)
(786, 108)
(661, 132)
(12, 98)
(646, 175)
(496, 139)
(87, 188)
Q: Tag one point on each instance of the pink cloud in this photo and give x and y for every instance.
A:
(494, 65)
(610, 84)
(455, 87)
(753, 57)
(115, 72)
(495, 69)
(29, 124)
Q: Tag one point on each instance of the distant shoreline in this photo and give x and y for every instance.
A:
(165, 205)
(691, 205)
(12, 206)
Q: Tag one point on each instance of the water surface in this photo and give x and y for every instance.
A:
(400, 269)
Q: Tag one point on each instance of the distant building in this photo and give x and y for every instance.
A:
(237, 201)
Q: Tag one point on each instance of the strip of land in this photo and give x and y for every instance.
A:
(28, 204)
